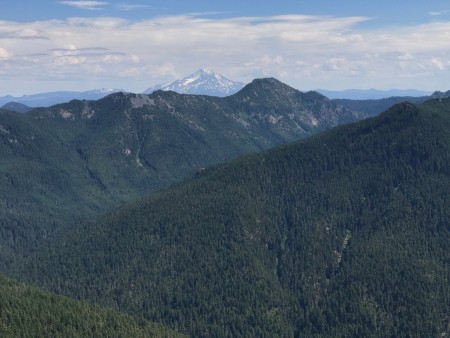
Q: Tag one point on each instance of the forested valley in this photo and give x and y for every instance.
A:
(342, 234)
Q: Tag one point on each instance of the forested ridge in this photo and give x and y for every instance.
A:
(343, 234)
(70, 162)
(26, 311)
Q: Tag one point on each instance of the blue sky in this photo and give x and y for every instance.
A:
(383, 12)
(51, 45)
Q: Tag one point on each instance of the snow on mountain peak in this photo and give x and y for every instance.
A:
(204, 71)
(202, 82)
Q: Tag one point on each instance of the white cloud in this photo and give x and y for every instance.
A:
(111, 58)
(89, 5)
(24, 34)
(162, 69)
(125, 6)
(135, 58)
(70, 60)
(4, 54)
(437, 62)
(265, 61)
(438, 13)
(304, 51)
(406, 57)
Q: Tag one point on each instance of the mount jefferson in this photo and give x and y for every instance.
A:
(202, 82)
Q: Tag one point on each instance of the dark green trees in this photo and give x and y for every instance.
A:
(343, 234)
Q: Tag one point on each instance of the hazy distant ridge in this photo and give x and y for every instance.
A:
(371, 94)
(52, 98)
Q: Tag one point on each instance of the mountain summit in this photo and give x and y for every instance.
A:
(202, 82)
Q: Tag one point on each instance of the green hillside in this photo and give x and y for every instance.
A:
(26, 311)
(343, 234)
(16, 107)
(67, 163)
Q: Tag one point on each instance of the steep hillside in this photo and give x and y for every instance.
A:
(343, 234)
(26, 311)
(71, 161)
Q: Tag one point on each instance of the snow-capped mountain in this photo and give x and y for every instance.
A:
(202, 82)
(52, 98)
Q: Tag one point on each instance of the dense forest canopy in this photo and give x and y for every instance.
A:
(26, 311)
(343, 234)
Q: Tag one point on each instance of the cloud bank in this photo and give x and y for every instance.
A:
(89, 5)
(306, 52)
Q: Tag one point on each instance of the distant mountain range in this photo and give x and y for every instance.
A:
(52, 98)
(202, 82)
(375, 106)
(71, 161)
(371, 94)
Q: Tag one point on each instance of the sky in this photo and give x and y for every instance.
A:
(50, 45)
